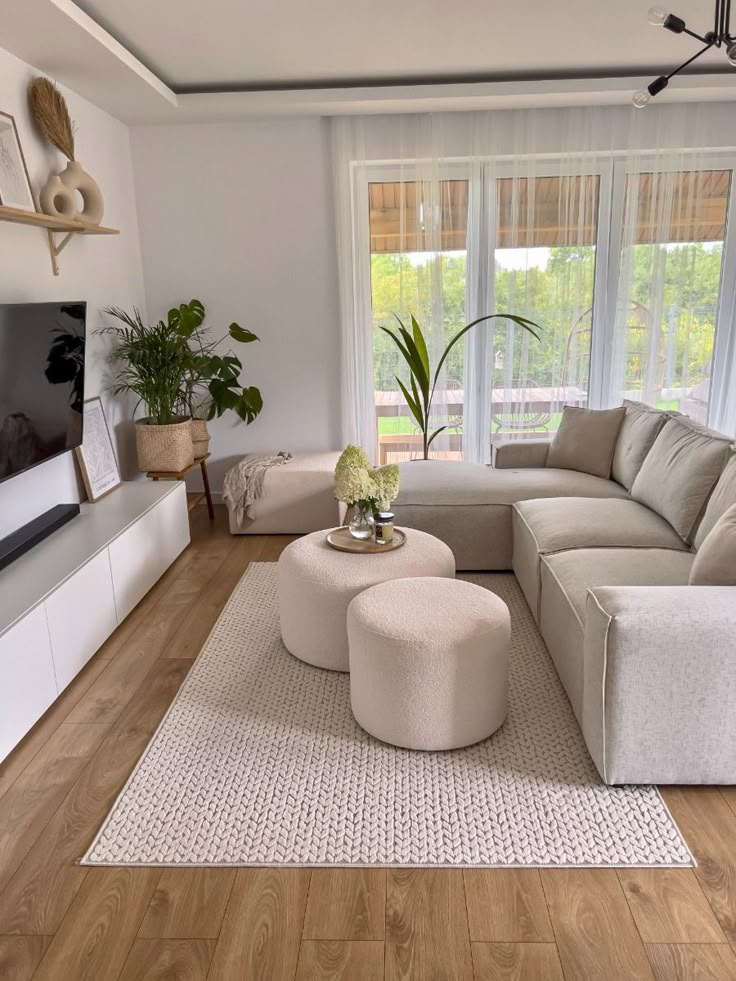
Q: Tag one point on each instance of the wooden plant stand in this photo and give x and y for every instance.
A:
(192, 499)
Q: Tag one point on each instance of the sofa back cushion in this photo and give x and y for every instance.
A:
(639, 430)
(715, 563)
(586, 440)
(680, 471)
(723, 496)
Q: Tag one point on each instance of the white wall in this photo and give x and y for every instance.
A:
(240, 215)
(101, 270)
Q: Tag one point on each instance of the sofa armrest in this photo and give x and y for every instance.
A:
(520, 454)
(659, 683)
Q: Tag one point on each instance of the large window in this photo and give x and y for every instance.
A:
(545, 246)
(622, 269)
(418, 234)
(671, 257)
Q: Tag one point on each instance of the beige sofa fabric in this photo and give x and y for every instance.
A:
(715, 562)
(518, 453)
(679, 473)
(639, 429)
(468, 505)
(723, 496)
(545, 527)
(567, 577)
(659, 687)
(585, 440)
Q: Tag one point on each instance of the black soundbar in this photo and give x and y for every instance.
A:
(22, 540)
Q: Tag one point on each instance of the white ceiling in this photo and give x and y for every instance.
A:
(194, 44)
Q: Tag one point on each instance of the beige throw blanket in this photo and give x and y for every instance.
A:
(243, 484)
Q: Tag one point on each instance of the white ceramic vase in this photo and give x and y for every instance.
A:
(59, 195)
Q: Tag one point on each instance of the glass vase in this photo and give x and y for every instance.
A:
(361, 525)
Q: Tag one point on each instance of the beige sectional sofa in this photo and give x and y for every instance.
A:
(648, 661)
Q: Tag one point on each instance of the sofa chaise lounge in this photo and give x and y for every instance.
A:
(648, 661)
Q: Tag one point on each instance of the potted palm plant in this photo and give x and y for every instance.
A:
(212, 380)
(151, 362)
(415, 352)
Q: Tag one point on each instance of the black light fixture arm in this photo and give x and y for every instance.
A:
(719, 37)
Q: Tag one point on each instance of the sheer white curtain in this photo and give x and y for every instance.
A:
(603, 225)
(670, 300)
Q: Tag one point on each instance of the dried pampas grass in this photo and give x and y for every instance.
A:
(52, 115)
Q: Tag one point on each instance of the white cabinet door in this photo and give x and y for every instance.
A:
(144, 551)
(27, 683)
(81, 615)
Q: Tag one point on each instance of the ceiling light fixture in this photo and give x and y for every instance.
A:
(719, 37)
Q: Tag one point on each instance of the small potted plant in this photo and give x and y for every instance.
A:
(151, 363)
(212, 380)
(365, 489)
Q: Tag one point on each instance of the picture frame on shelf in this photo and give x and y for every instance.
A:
(15, 184)
(96, 456)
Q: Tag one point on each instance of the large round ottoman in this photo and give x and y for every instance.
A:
(429, 662)
(317, 583)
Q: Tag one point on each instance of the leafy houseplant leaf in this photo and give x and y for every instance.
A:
(241, 334)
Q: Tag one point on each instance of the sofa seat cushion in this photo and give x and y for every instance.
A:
(542, 527)
(567, 577)
(444, 482)
(680, 471)
(579, 571)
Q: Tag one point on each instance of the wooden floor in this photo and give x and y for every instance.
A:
(61, 922)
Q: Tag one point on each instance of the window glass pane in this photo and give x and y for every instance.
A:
(418, 234)
(544, 270)
(672, 250)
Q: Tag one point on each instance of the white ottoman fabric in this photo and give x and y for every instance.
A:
(317, 583)
(429, 662)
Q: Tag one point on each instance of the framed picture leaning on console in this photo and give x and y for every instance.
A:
(96, 454)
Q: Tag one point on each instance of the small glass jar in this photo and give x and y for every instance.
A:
(384, 527)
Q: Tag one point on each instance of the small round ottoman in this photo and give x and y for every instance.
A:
(429, 662)
(317, 583)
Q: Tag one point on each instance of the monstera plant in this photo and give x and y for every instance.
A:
(413, 347)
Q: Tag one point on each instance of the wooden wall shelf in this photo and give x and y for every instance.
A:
(68, 227)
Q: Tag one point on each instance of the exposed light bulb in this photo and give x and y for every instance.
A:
(731, 55)
(657, 16)
(641, 99)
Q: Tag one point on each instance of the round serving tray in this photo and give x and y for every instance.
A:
(343, 541)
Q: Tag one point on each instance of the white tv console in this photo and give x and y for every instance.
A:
(63, 599)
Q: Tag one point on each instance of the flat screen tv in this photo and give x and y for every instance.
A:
(41, 382)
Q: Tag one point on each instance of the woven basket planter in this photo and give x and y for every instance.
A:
(200, 438)
(164, 448)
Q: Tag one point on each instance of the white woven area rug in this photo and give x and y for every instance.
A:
(260, 762)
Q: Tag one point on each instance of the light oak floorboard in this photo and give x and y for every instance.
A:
(507, 905)
(168, 960)
(192, 632)
(426, 926)
(94, 940)
(41, 891)
(118, 683)
(516, 962)
(709, 826)
(32, 743)
(595, 932)
(346, 904)
(669, 906)
(20, 956)
(259, 940)
(335, 960)
(188, 903)
(729, 795)
(692, 962)
(31, 802)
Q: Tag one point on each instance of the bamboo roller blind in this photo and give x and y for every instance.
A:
(547, 211)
